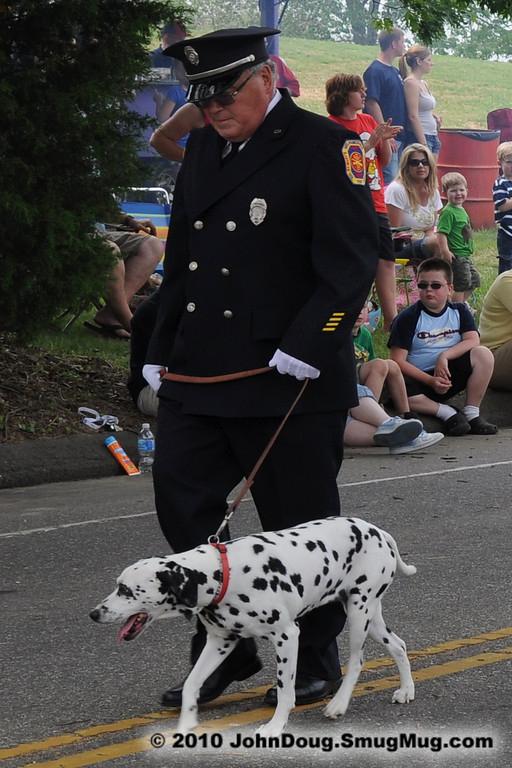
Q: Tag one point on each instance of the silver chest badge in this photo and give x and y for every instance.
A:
(191, 54)
(258, 211)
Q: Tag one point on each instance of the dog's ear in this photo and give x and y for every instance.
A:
(181, 582)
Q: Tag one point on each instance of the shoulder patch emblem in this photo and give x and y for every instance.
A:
(353, 154)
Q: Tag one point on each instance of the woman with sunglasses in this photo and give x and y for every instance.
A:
(414, 65)
(413, 201)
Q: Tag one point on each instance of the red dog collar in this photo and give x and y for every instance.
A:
(223, 552)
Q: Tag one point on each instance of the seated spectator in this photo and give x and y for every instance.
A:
(502, 197)
(143, 322)
(137, 257)
(496, 329)
(369, 424)
(345, 98)
(375, 372)
(413, 200)
(437, 347)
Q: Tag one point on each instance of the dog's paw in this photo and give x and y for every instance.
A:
(186, 724)
(270, 729)
(403, 695)
(334, 710)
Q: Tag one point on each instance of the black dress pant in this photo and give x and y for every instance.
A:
(200, 459)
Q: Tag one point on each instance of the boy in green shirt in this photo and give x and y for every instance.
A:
(455, 237)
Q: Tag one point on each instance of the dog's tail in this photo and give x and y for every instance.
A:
(409, 570)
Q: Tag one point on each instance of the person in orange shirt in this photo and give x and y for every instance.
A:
(345, 98)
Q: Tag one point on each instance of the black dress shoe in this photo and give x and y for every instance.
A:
(307, 691)
(214, 685)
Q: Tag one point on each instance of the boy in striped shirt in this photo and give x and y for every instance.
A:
(502, 198)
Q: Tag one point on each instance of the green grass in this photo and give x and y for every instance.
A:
(77, 340)
(465, 89)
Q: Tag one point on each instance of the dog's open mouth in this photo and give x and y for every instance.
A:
(132, 627)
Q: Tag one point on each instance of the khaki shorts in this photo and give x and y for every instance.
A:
(465, 275)
(127, 242)
(502, 374)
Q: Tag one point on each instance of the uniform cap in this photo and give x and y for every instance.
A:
(215, 60)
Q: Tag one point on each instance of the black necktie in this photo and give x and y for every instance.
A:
(230, 151)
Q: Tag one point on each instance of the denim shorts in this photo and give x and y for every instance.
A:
(433, 142)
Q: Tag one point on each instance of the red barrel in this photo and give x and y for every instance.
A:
(472, 153)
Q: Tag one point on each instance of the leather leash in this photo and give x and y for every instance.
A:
(213, 379)
(249, 481)
(214, 539)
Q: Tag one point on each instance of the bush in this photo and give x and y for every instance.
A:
(67, 143)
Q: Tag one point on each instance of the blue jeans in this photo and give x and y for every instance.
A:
(433, 142)
(504, 252)
(391, 169)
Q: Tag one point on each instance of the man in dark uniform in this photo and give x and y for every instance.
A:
(271, 253)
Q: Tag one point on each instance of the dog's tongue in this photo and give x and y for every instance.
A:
(130, 628)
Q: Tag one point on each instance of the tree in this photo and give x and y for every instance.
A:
(429, 20)
(67, 143)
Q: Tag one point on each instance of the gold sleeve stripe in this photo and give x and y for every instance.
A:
(333, 321)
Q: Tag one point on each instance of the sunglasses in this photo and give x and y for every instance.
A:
(224, 99)
(423, 286)
(415, 163)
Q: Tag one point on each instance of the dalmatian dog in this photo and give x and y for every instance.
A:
(266, 582)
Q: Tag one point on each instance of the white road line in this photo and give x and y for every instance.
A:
(426, 474)
(99, 521)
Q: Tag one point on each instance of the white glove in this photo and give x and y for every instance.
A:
(152, 375)
(288, 364)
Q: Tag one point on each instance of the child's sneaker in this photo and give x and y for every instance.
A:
(397, 431)
(480, 426)
(424, 440)
(457, 425)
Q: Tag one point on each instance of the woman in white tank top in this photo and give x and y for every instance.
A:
(424, 123)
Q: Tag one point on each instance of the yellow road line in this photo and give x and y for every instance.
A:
(67, 739)
(142, 744)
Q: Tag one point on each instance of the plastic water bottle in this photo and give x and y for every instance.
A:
(146, 448)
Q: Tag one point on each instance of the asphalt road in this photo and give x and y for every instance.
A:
(72, 697)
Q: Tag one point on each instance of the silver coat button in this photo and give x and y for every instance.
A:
(193, 266)
(198, 224)
(191, 307)
(228, 314)
(230, 226)
(225, 271)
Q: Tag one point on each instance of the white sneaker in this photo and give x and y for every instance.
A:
(396, 431)
(424, 440)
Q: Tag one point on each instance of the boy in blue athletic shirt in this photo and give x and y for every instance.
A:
(437, 347)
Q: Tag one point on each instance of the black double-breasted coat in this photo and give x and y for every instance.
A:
(276, 249)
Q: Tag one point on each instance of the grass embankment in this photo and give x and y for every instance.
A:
(465, 89)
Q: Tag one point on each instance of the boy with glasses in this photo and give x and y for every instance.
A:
(436, 344)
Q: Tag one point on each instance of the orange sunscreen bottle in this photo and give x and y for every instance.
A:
(120, 455)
